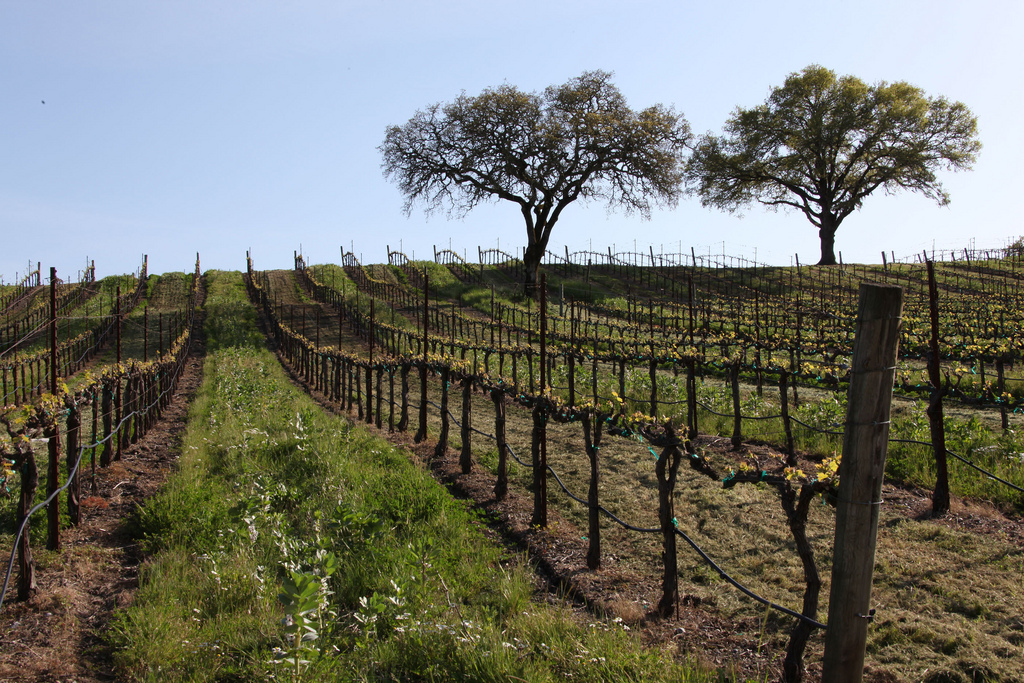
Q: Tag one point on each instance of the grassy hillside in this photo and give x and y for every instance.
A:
(291, 545)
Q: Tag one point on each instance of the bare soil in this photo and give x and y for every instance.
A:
(712, 625)
(629, 588)
(59, 634)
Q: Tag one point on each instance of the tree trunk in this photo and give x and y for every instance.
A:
(827, 233)
(531, 264)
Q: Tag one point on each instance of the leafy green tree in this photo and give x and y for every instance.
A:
(576, 141)
(821, 144)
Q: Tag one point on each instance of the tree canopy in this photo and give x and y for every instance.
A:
(821, 144)
(576, 141)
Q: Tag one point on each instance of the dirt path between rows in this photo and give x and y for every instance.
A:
(59, 634)
(558, 555)
(626, 591)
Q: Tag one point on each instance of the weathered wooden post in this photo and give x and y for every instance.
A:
(538, 451)
(359, 392)
(1001, 387)
(872, 372)
(391, 398)
(787, 425)
(117, 316)
(691, 398)
(540, 418)
(653, 373)
(936, 424)
(380, 395)
(124, 408)
(666, 468)
(145, 334)
(593, 446)
(466, 455)
(421, 432)
(108, 419)
(74, 423)
(95, 424)
(737, 416)
(442, 439)
(369, 367)
(347, 380)
(52, 432)
(403, 420)
(501, 486)
(29, 482)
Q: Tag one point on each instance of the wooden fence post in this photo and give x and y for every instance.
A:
(348, 380)
(787, 425)
(29, 482)
(421, 432)
(403, 419)
(737, 416)
(52, 431)
(134, 403)
(391, 398)
(691, 398)
(333, 377)
(542, 312)
(572, 373)
(466, 455)
(540, 478)
(107, 410)
(666, 469)
(872, 373)
(118, 323)
(593, 446)
(119, 410)
(654, 384)
(799, 353)
(343, 388)
(442, 438)
(52, 434)
(380, 395)
(369, 368)
(937, 427)
(359, 392)
(501, 486)
(53, 332)
(94, 391)
(369, 393)
(1001, 388)
(622, 379)
(74, 424)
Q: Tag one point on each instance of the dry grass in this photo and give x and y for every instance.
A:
(948, 595)
(948, 592)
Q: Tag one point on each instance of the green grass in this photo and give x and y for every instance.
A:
(973, 434)
(969, 580)
(934, 585)
(275, 497)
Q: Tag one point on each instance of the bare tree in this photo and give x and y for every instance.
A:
(576, 141)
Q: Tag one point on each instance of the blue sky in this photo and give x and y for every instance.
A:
(171, 128)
